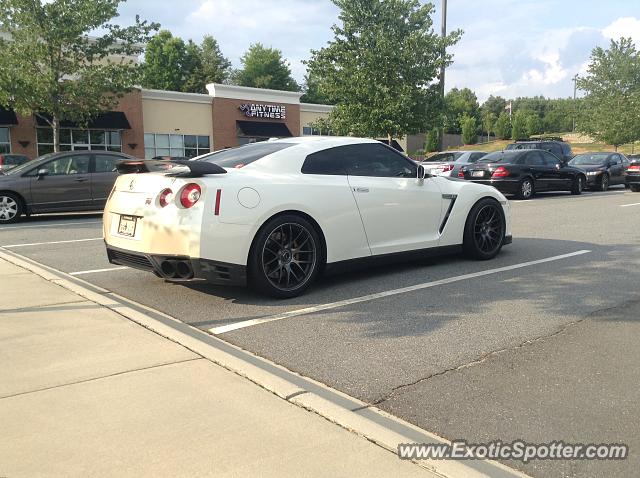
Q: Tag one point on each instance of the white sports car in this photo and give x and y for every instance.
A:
(275, 214)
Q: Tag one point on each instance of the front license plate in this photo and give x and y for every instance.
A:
(127, 226)
(477, 174)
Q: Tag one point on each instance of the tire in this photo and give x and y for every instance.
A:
(635, 188)
(527, 189)
(578, 185)
(479, 241)
(285, 257)
(11, 208)
(604, 183)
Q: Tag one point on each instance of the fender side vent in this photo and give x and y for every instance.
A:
(453, 198)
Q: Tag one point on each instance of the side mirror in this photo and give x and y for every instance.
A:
(422, 173)
(42, 173)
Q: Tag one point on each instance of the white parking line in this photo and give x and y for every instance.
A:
(366, 298)
(36, 226)
(629, 205)
(95, 271)
(10, 246)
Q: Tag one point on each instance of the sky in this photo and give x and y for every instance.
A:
(509, 48)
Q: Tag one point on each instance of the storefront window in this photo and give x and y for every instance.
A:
(79, 140)
(187, 145)
(310, 131)
(5, 141)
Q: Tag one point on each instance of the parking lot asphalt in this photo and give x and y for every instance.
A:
(537, 344)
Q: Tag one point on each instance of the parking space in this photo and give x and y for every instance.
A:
(428, 340)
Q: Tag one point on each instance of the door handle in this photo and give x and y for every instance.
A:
(81, 180)
(361, 190)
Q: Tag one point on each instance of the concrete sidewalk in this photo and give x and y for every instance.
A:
(87, 392)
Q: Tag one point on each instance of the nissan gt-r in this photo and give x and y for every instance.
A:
(276, 214)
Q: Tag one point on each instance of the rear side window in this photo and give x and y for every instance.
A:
(534, 158)
(566, 149)
(244, 155)
(106, 164)
(330, 162)
(374, 160)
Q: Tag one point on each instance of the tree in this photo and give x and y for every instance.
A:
(381, 66)
(431, 144)
(495, 105)
(192, 69)
(164, 62)
(469, 129)
(488, 122)
(459, 103)
(50, 67)
(313, 91)
(519, 126)
(215, 66)
(265, 68)
(503, 126)
(533, 124)
(612, 85)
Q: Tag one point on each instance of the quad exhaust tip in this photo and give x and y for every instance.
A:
(176, 269)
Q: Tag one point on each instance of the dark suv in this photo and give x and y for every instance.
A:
(556, 146)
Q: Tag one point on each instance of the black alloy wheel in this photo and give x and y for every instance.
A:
(485, 230)
(285, 257)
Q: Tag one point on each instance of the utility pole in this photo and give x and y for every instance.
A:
(575, 91)
(442, 68)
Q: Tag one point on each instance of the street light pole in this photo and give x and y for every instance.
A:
(575, 90)
(442, 67)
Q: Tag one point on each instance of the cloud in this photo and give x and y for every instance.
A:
(623, 27)
(293, 26)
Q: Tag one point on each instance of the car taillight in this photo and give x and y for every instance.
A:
(501, 172)
(447, 168)
(165, 197)
(190, 195)
(461, 174)
(635, 167)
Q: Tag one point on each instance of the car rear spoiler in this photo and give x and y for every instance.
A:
(181, 168)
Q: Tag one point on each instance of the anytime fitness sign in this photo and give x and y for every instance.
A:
(264, 111)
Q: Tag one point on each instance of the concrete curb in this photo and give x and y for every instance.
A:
(352, 414)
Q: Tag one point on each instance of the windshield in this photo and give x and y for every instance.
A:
(597, 159)
(243, 155)
(443, 157)
(499, 157)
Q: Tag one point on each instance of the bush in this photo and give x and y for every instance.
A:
(469, 129)
(431, 144)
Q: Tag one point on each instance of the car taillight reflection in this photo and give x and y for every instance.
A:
(461, 174)
(190, 195)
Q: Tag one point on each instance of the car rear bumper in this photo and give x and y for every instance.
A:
(180, 268)
(633, 179)
(505, 186)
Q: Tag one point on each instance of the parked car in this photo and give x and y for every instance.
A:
(553, 145)
(443, 164)
(170, 158)
(525, 172)
(279, 212)
(602, 169)
(55, 182)
(633, 175)
(9, 161)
